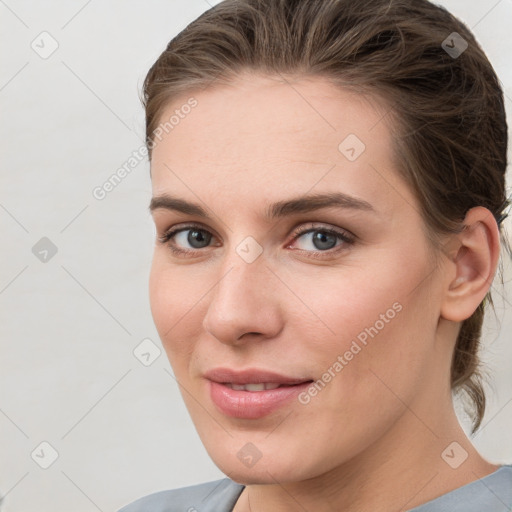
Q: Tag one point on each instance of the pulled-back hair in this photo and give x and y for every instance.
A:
(451, 140)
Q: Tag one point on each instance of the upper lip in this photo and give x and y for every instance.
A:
(251, 376)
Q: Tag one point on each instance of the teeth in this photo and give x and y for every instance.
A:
(253, 387)
(237, 387)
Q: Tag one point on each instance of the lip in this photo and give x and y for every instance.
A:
(252, 404)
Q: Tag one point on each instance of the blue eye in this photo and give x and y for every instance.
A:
(197, 237)
(324, 239)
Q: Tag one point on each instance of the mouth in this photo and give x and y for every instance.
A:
(264, 386)
(253, 393)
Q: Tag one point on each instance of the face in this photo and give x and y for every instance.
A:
(292, 325)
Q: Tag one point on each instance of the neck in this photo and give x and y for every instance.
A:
(402, 470)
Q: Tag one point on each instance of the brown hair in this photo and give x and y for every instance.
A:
(451, 145)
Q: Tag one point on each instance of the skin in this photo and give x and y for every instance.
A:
(372, 439)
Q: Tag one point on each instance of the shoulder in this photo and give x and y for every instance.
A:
(217, 496)
(492, 493)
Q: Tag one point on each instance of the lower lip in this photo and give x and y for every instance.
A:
(252, 405)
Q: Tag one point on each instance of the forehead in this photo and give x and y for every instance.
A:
(275, 134)
(256, 107)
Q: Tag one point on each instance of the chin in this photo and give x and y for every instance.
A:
(259, 463)
(261, 473)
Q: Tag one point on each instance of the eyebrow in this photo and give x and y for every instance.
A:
(285, 208)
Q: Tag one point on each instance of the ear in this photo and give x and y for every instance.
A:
(473, 260)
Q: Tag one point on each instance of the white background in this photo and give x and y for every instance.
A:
(69, 326)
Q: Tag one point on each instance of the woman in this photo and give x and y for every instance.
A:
(328, 192)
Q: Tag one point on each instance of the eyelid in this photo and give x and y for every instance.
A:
(178, 228)
(320, 226)
(347, 237)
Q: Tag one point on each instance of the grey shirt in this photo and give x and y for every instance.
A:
(492, 493)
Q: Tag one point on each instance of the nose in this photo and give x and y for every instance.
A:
(244, 304)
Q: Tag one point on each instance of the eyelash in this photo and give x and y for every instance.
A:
(347, 239)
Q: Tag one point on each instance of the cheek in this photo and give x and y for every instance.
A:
(366, 324)
(350, 301)
(159, 298)
(173, 303)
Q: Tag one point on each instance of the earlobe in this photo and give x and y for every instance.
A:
(471, 271)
